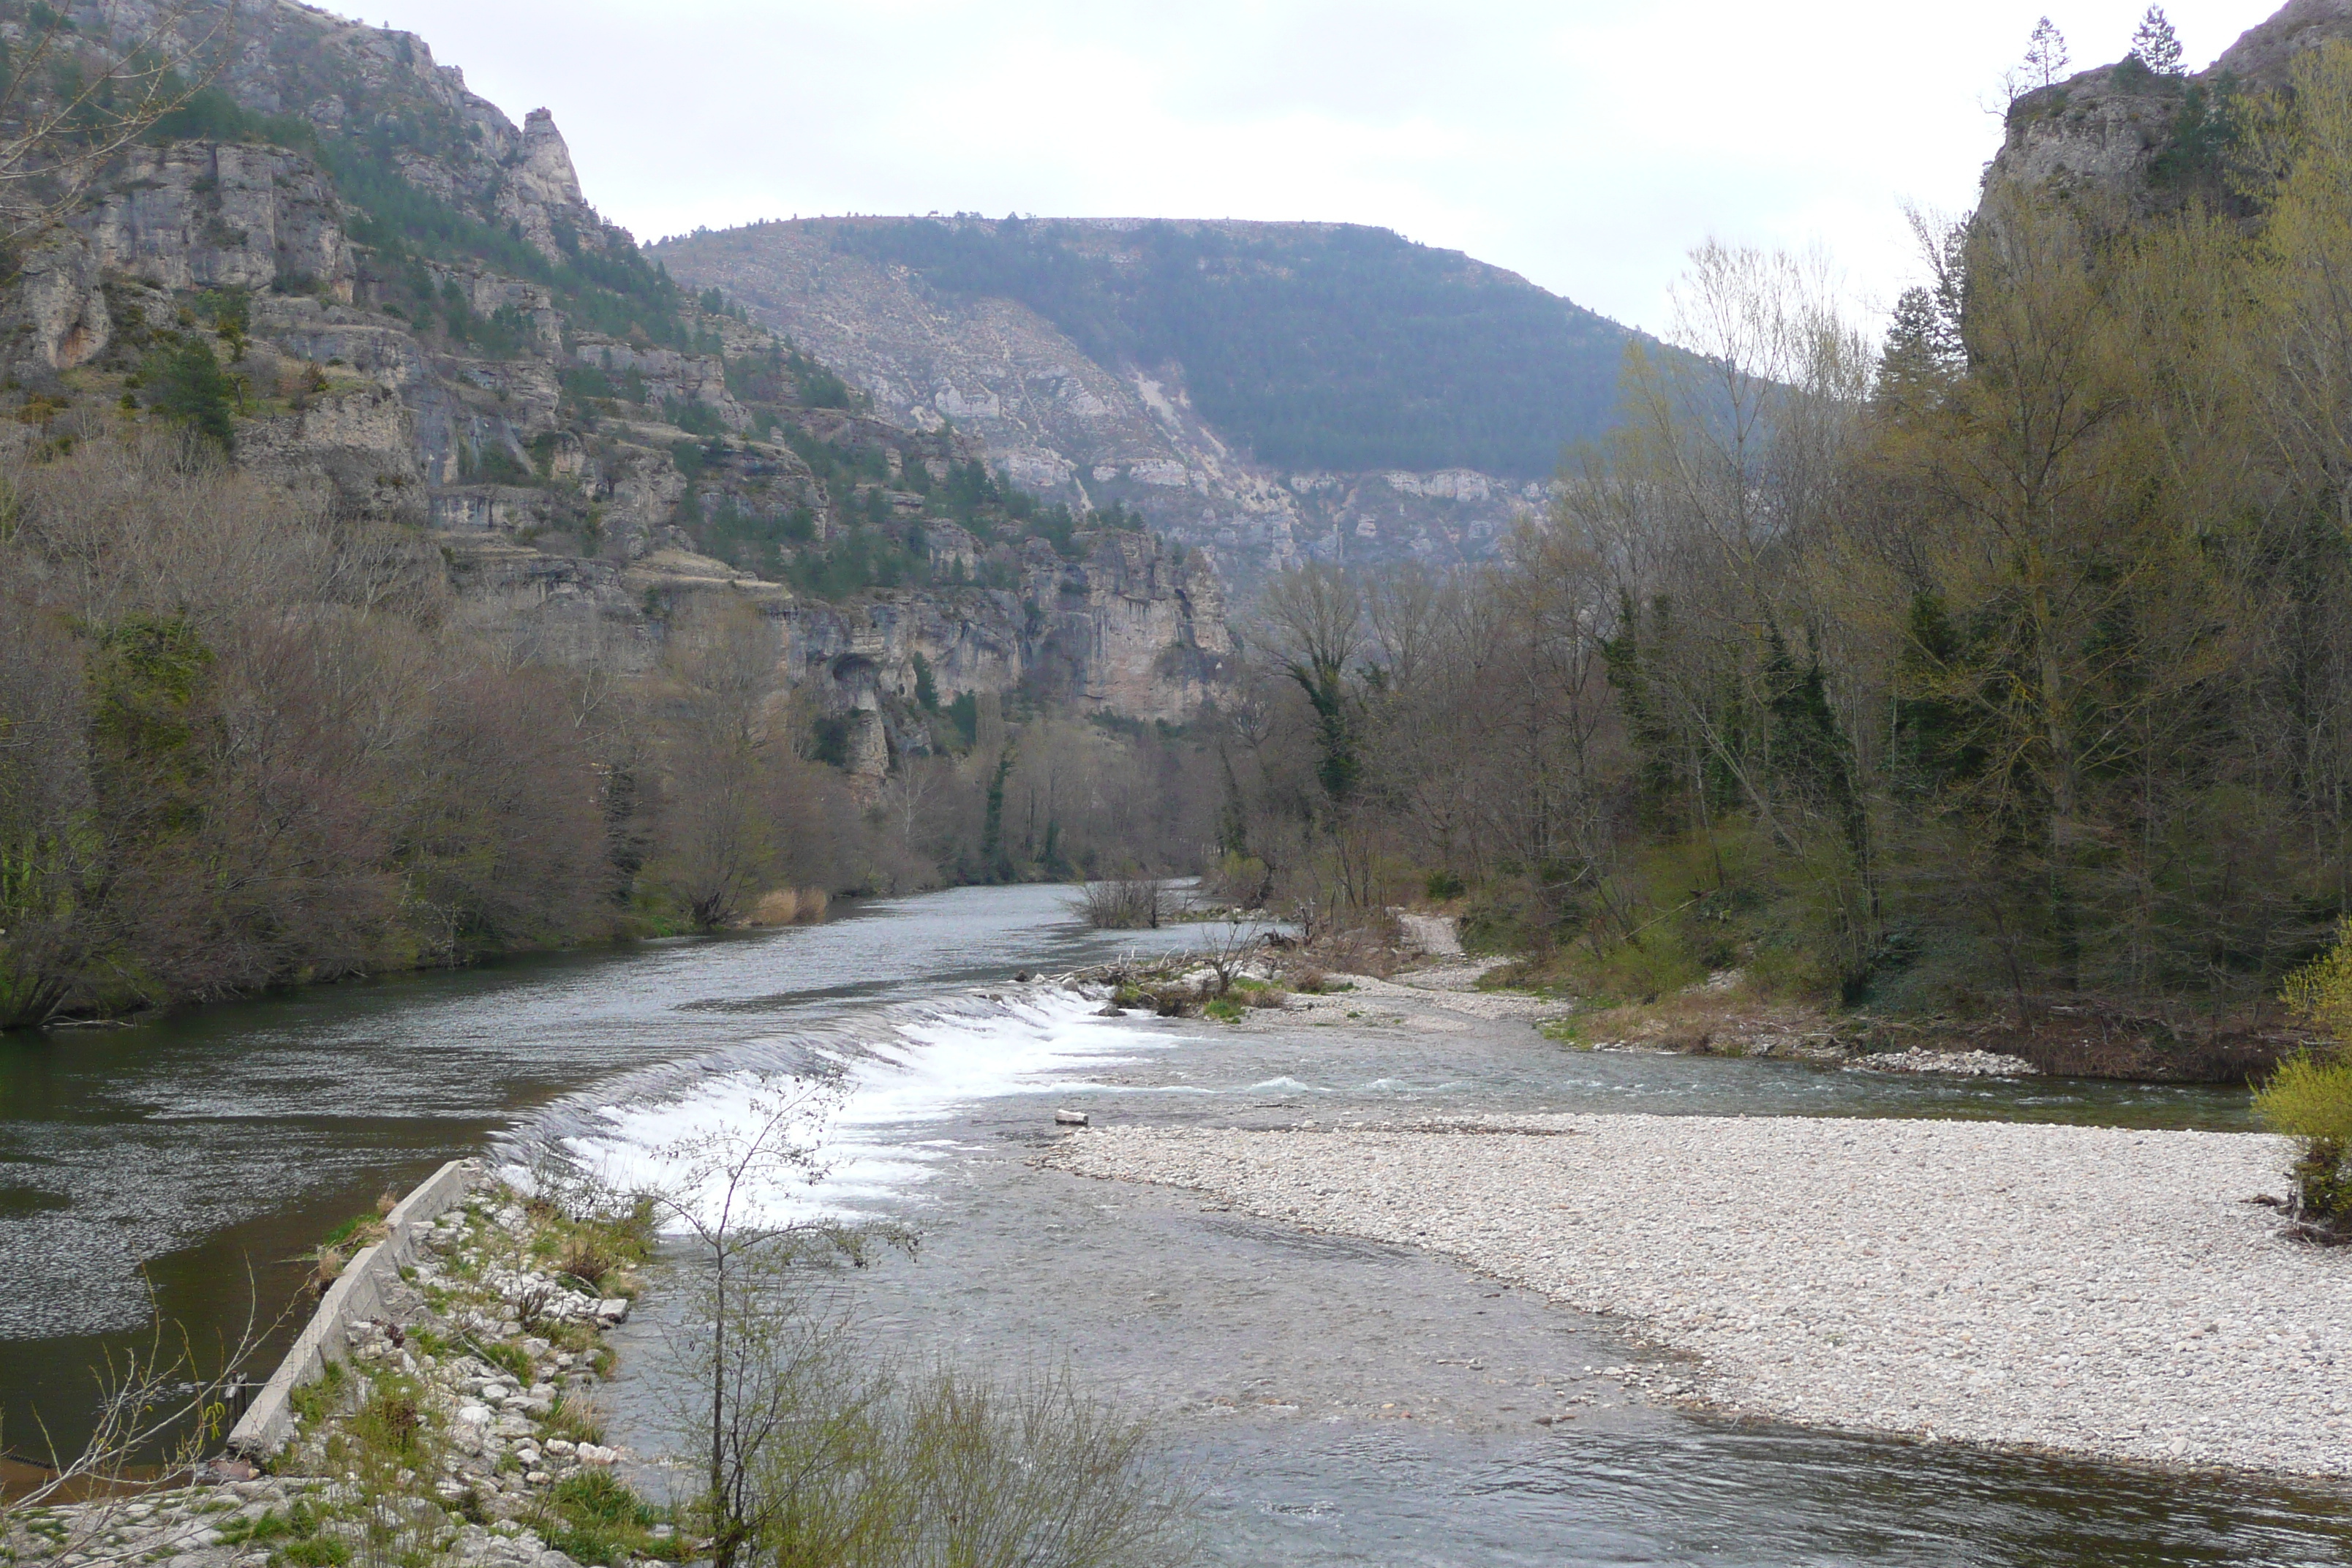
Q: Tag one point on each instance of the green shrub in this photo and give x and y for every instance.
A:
(191, 386)
(2309, 1099)
(2321, 990)
(1507, 916)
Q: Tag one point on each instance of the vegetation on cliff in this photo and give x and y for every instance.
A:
(245, 741)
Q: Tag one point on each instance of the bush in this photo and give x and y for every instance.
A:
(789, 906)
(586, 1258)
(1509, 916)
(2309, 1099)
(1120, 903)
(2320, 992)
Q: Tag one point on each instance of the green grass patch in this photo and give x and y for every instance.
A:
(595, 1518)
(511, 1359)
(350, 1228)
(579, 1422)
(321, 1395)
(317, 1551)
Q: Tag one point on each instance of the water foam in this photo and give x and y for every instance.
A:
(832, 1107)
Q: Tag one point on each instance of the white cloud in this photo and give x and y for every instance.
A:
(1586, 145)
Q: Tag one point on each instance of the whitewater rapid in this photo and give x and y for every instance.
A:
(824, 1125)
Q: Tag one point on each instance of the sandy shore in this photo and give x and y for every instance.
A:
(2084, 1290)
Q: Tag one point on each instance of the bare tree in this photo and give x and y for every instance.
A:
(69, 101)
(161, 1408)
(730, 1188)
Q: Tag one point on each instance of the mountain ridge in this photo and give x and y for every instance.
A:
(1231, 381)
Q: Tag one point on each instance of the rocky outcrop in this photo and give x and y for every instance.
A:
(2265, 52)
(337, 74)
(2124, 133)
(208, 215)
(2099, 132)
(1134, 626)
(56, 314)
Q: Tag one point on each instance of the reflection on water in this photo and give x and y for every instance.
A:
(1342, 1402)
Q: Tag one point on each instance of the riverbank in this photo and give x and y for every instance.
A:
(2099, 1293)
(457, 1422)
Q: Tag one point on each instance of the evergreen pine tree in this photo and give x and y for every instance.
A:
(1923, 350)
(993, 853)
(2156, 45)
(193, 388)
(2045, 52)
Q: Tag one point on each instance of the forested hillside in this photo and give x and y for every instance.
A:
(1314, 345)
(1997, 684)
(1271, 392)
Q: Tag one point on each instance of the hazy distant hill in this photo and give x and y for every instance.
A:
(1272, 388)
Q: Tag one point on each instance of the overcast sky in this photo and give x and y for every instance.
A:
(1586, 145)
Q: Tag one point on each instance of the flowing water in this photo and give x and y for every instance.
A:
(1337, 1401)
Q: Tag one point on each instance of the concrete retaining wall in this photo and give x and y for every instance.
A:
(356, 1296)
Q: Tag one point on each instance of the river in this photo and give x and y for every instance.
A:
(1337, 1402)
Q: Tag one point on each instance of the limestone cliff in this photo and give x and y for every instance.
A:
(413, 308)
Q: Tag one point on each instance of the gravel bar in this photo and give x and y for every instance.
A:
(2082, 1290)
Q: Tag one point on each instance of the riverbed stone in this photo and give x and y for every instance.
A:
(2009, 1284)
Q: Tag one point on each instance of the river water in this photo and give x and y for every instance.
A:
(1335, 1402)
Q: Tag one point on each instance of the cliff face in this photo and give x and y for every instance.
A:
(418, 310)
(1098, 427)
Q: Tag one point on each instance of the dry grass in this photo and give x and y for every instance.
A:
(1722, 1021)
(1306, 977)
(587, 1258)
(791, 906)
(1359, 950)
(326, 1267)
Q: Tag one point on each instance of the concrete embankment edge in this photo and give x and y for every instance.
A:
(356, 1296)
